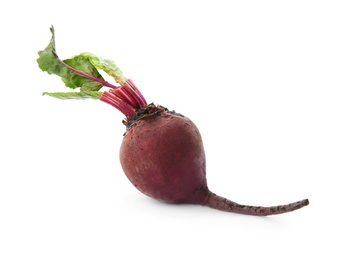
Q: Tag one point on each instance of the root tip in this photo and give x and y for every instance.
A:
(305, 202)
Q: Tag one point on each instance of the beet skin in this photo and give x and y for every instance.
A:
(163, 157)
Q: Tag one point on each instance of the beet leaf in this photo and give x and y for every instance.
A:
(77, 72)
(106, 65)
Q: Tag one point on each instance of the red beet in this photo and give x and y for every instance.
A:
(162, 151)
(163, 157)
(162, 154)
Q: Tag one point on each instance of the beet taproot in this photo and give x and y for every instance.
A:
(163, 156)
(162, 152)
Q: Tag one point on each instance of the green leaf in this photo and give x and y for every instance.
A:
(70, 70)
(106, 65)
(48, 58)
(74, 80)
(75, 95)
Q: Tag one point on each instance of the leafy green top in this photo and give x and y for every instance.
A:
(79, 72)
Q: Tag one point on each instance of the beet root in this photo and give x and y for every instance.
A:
(162, 155)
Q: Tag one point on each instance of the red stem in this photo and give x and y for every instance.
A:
(127, 98)
(117, 102)
(141, 100)
(135, 97)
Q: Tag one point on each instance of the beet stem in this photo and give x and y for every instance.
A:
(136, 102)
(125, 96)
(138, 95)
(214, 201)
(117, 102)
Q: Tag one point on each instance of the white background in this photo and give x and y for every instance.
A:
(265, 82)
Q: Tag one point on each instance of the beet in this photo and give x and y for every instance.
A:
(162, 152)
(162, 155)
